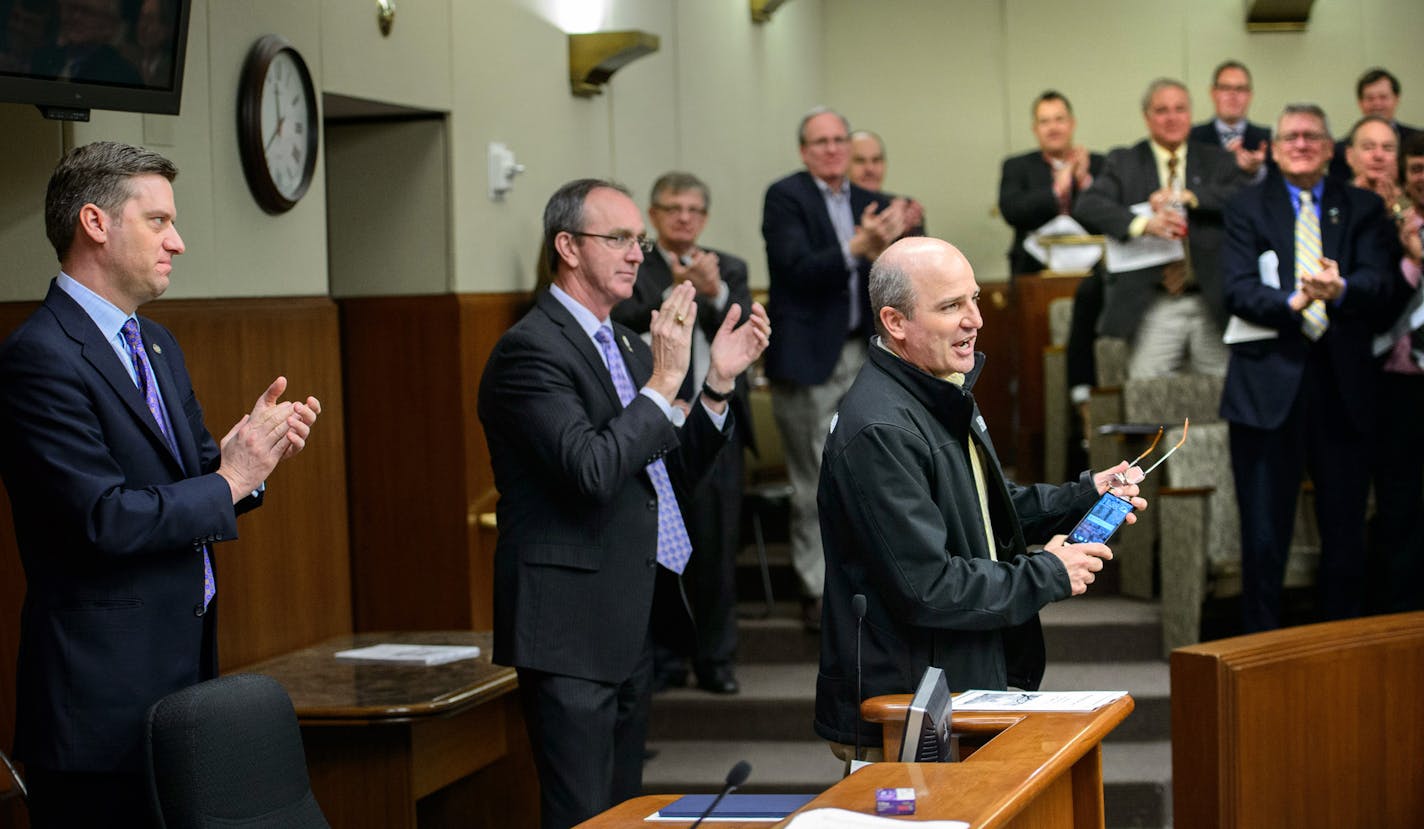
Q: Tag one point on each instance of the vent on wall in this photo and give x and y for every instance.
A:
(1277, 15)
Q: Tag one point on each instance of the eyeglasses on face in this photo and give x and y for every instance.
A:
(619, 241)
(1307, 137)
(680, 209)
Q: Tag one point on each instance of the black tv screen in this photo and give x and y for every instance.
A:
(70, 56)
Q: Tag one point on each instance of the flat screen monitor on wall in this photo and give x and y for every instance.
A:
(70, 56)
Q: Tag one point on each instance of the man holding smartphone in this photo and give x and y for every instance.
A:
(917, 517)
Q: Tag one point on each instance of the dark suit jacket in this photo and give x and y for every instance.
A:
(809, 292)
(1264, 376)
(655, 278)
(1130, 177)
(578, 519)
(1026, 201)
(110, 528)
(1205, 133)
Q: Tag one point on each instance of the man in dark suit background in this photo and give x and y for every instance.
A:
(1040, 184)
(1306, 259)
(868, 162)
(118, 491)
(1376, 93)
(588, 472)
(1171, 314)
(678, 212)
(1248, 143)
(822, 232)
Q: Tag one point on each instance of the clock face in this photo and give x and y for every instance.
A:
(277, 125)
(285, 125)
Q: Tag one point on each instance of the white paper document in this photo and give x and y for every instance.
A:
(1143, 252)
(1062, 257)
(1268, 268)
(410, 654)
(1035, 700)
(845, 819)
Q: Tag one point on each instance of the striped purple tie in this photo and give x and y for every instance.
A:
(674, 547)
(149, 387)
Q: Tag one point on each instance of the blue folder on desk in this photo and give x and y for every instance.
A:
(737, 806)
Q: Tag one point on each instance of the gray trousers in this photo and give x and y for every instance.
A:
(803, 417)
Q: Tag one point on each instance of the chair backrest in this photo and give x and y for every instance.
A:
(1205, 460)
(229, 751)
(1168, 399)
(1110, 356)
(1060, 319)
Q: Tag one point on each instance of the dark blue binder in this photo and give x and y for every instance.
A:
(741, 806)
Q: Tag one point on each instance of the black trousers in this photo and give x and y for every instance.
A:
(713, 519)
(588, 740)
(67, 799)
(1396, 562)
(1267, 465)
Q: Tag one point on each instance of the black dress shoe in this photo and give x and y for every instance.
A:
(718, 680)
(663, 680)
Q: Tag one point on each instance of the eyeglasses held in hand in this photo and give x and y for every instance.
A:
(1136, 475)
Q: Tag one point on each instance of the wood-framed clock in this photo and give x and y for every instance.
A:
(277, 127)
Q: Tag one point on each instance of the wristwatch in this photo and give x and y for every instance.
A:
(716, 396)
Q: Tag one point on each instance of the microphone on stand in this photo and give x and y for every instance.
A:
(857, 606)
(736, 777)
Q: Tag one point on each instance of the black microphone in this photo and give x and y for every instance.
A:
(736, 777)
(857, 606)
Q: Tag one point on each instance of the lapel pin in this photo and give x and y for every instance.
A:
(627, 347)
(1334, 215)
(157, 349)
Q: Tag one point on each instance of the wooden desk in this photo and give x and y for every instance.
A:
(1038, 771)
(404, 746)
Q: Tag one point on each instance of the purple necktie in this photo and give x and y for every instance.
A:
(674, 547)
(149, 387)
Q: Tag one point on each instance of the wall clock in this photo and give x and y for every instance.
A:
(277, 126)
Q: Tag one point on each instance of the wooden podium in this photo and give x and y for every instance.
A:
(1313, 726)
(1022, 771)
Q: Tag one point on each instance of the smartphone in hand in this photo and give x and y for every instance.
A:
(1101, 521)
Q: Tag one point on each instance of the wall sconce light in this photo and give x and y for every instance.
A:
(595, 56)
(762, 9)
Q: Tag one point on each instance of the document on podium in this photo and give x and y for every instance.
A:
(739, 807)
(832, 818)
(1035, 700)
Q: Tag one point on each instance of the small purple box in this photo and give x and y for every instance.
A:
(899, 801)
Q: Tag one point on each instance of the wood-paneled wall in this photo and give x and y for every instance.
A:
(286, 582)
(419, 468)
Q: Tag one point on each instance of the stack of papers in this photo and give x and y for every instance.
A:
(410, 654)
(1035, 700)
(741, 807)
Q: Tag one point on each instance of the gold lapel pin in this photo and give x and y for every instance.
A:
(626, 347)
(157, 349)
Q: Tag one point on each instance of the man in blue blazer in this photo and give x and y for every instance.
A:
(1299, 398)
(589, 472)
(1248, 143)
(821, 232)
(118, 491)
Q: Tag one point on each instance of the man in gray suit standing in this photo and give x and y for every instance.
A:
(1170, 188)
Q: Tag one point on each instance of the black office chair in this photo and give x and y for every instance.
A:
(229, 750)
(19, 787)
